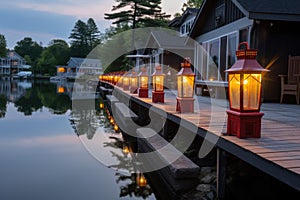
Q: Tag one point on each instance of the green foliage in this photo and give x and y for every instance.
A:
(138, 13)
(46, 63)
(60, 51)
(29, 47)
(43, 95)
(192, 4)
(84, 37)
(3, 107)
(3, 44)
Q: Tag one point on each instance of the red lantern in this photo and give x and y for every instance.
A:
(158, 85)
(133, 82)
(185, 84)
(244, 82)
(125, 81)
(143, 80)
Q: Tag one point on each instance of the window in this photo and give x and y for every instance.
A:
(216, 56)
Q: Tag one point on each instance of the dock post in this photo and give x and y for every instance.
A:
(221, 173)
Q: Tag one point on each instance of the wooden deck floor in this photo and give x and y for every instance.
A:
(277, 152)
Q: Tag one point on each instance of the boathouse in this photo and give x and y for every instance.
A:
(270, 26)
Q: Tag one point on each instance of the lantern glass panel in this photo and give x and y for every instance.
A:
(144, 82)
(125, 81)
(133, 82)
(252, 91)
(234, 90)
(158, 83)
(188, 86)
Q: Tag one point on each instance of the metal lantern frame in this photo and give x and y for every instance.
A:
(126, 81)
(185, 85)
(245, 89)
(143, 83)
(158, 85)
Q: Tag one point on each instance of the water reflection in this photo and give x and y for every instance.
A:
(106, 141)
(46, 126)
(29, 97)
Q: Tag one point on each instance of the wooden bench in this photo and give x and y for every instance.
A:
(180, 172)
(211, 88)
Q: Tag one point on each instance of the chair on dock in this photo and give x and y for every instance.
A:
(290, 82)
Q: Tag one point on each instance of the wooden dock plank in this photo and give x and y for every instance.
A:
(277, 149)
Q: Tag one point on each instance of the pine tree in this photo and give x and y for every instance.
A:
(93, 33)
(191, 4)
(84, 37)
(137, 13)
(3, 45)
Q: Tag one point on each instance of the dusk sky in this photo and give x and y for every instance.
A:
(44, 20)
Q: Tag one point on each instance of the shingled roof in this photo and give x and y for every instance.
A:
(166, 40)
(287, 10)
(277, 10)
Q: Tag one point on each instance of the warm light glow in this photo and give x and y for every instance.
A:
(61, 70)
(252, 91)
(158, 82)
(185, 86)
(143, 82)
(125, 81)
(234, 90)
(101, 105)
(141, 180)
(112, 121)
(116, 127)
(133, 82)
(211, 79)
(126, 149)
(61, 90)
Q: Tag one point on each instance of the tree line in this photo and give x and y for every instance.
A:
(85, 36)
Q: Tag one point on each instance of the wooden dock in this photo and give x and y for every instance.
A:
(276, 153)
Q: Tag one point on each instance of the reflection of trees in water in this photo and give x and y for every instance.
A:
(43, 94)
(29, 103)
(84, 122)
(87, 117)
(3, 102)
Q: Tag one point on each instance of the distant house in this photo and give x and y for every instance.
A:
(270, 26)
(184, 23)
(80, 66)
(13, 63)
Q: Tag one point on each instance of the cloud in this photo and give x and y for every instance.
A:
(75, 8)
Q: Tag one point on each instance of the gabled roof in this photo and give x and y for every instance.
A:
(286, 10)
(281, 10)
(177, 21)
(166, 40)
(77, 62)
(13, 55)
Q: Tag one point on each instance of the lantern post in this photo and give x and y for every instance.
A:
(185, 86)
(143, 83)
(158, 85)
(244, 82)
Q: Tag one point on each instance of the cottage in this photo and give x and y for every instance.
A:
(270, 26)
(13, 63)
(79, 66)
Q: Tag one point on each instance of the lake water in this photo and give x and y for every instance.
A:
(51, 150)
